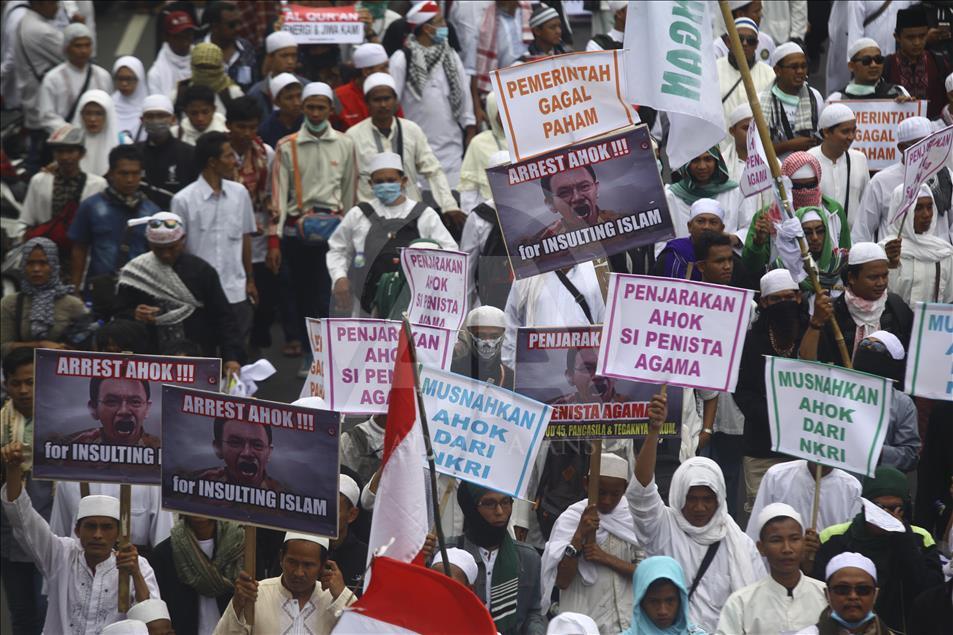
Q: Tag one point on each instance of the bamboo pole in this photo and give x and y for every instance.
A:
(248, 563)
(125, 503)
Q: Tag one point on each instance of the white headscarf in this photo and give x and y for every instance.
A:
(96, 159)
(129, 109)
(170, 69)
(927, 246)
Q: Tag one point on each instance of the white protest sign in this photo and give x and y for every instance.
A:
(921, 161)
(480, 433)
(437, 280)
(556, 101)
(323, 25)
(359, 356)
(756, 176)
(930, 356)
(827, 414)
(877, 121)
(314, 384)
(668, 331)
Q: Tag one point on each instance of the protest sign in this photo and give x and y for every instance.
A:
(314, 384)
(930, 359)
(557, 365)
(921, 161)
(668, 331)
(877, 121)
(437, 280)
(250, 461)
(756, 176)
(97, 415)
(323, 25)
(557, 101)
(589, 201)
(482, 433)
(826, 413)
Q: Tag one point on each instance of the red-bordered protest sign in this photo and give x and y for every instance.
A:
(323, 25)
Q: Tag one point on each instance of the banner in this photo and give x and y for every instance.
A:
(593, 200)
(97, 415)
(921, 161)
(437, 280)
(756, 176)
(877, 122)
(930, 357)
(557, 366)
(482, 434)
(670, 67)
(323, 25)
(679, 332)
(251, 461)
(827, 414)
(314, 384)
(560, 100)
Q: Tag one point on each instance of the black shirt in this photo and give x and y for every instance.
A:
(168, 167)
(351, 558)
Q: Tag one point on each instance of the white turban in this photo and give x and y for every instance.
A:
(422, 12)
(569, 623)
(317, 89)
(613, 466)
(149, 610)
(860, 45)
(788, 48)
(369, 54)
(279, 40)
(462, 559)
(74, 31)
(865, 252)
(891, 342)
(125, 627)
(706, 206)
(741, 112)
(374, 80)
(486, 315)
(850, 559)
(834, 115)
(777, 280)
(776, 510)
(98, 505)
(280, 81)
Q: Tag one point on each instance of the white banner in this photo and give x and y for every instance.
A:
(827, 414)
(557, 101)
(323, 25)
(756, 176)
(877, 122)
(668, 331)
(480, 433)
(314, 384)
(930, 356)
(437, 280)
(921, 161)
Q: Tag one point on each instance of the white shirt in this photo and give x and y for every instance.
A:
(761, 74)
(509, 37)
(846, 25)
(167, 71)
(39, 47)
(466, 18)
(215, 227)
(489, 559)
(62, 87)
(209, 614)
(792, 482)
(768, 607)
(37, 206)
(149, 524)
(784, 19)
(871, 222)
(13, 12)
(475, 233)
(81, 602)
(834, 179)
(615, 34)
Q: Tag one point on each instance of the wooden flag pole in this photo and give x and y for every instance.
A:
(83, 489)
(817, 495)
(251, 534)
(125, 504)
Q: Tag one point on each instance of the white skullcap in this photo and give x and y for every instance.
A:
(386, 160)
(613, 466)
(501, 157)
(850, 559)
(891, 342)
(569, 623)
(279, 40)
(318, 540)
(806, 171)
(98, 505)
(543, 14)
(860, 45)
(777, 280)
(747, 23)
(706, 206)
(161, 103)
(788, 48)
(617, 5)
(125, 627)
(486, 315)
(281, 81)
(369, 54)
(317, 89)
(810, 216)
(348, 487)
(161, 235)
(374, 80)
(462, 559)
(913, 129)
(74, 31)
(737, 4)
(774, 510)
(422, 12)
(741, 112)
(149, 611)
(949, 83)
(865, 252)
(316, 403)
(835, 114)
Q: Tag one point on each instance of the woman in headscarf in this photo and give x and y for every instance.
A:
(43, 314)
(96, 114)
(129, 78)
(804, 172)
(705, 176)
(474, 186)
(660, 599)
(208, 69)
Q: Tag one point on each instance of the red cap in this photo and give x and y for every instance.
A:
(178, 21)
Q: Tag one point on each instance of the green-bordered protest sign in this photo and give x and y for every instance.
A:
(827, 414)
(930, 362)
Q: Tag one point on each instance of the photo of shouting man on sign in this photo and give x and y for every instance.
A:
(245, 448)
(121, 406)
(574, 196)
(581, 375)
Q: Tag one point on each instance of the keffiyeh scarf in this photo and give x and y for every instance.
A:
(421, 62)
(865, 313)
(486, 61)
(150, 275)
(772, 102)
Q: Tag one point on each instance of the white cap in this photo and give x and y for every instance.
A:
(835, 114)
(811, 216)
(889, 340)
(386, 160)
(500, 157)
(460, 558)
(318, 540)
(98, 505)
(280, 81)
(777, 280)
(74, 31)
(806, 171)
(279, 40)
(161, 103)
(741, 112)
(348, 487)
(316, 403)
(774, 510)
(422, 12)
(860, 45)
(570, 623)
(543, 14)
(486, 315)
(617, 5)
(850, 559)
(125, 627)
(706, 206)
(369, 54)
(613, 466)
(865, 252)
(913, 129)
(788, 48)
(149, 611)
(747, 23)
(374, 80)
(317, 89)
(949, 83)
(161, 235)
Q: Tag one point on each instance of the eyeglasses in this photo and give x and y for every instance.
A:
(503, 503)
(875, 346)
(584, 189)
(893, 509)
(750, 40)
(168, 224)
(236, 443)
(114, 403)
(843, 590)
(795, 67)
(867, 60)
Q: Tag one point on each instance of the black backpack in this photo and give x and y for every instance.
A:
(382, 250)
(493, 274)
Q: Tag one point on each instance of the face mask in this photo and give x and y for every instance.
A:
(487, 348)
(440, 34)
(157, 128)
(387, 193)
(880, 364)
(317, 128)
(851, 625)
(783, 314)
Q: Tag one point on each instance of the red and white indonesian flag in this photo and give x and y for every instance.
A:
(670, 66)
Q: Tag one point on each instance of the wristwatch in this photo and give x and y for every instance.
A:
(570, 552)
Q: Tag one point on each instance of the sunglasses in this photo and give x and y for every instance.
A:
(843, 590)
(804, 186)
(867, 60)
(168, 224)
(750, 40)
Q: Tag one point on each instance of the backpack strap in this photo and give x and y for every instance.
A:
(368, 210)
(89, 74)
(876, 14)
(576, 294)
(487, 213)
(706, 562)
(299, 197)
(416, 212)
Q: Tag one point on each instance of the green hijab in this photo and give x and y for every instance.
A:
(690, 191)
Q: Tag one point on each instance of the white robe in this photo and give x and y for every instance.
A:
(13, 12)
(784, 20)
(871, 222)
(834, 179)
(37, 206)
(761, 74)
(765, 48)
(167, 71)
(149, 524)
(768, 607)
(38, 49)
(62, 87)
(475, 233)
(738, 213)
(846, 25)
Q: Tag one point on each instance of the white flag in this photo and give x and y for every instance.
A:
(756, 176)
(670, 67)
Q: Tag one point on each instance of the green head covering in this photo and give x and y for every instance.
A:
(690, 191)
(887, 481)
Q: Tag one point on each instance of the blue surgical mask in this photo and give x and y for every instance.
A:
(387, 193)
(316, 128)
(851, 625)
(440, 34)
